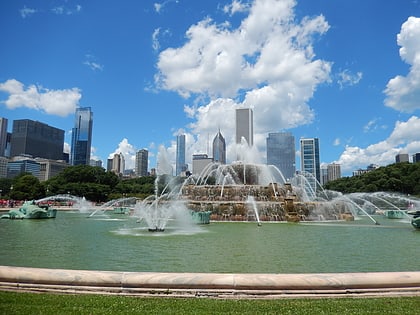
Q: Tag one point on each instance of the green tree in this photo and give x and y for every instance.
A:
(26, 187)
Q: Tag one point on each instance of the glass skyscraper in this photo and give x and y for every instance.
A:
(245, 126)
(180, 155)
(309, 159)
(281, 153)
(219, 149)
(81, 136)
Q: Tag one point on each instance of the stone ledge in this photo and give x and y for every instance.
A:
(214, 285)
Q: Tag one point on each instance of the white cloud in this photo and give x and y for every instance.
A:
(404, 137)
(159, 6)
(346, 78)
(336, 142)
(267, 63)
(26, 12)
(92, 63)
(235, 6)
(403, 92)
(64, 10)
(53, 102)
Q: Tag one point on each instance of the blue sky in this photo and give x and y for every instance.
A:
(345, 71)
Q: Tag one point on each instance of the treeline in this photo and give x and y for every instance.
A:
(399, 177)
(94, 183)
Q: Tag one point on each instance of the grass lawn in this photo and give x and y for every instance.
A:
(35, 303)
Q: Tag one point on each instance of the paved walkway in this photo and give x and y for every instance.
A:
(214, 285)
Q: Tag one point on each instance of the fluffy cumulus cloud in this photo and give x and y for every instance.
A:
(52, 102)
(403, 92)
(267, 63)
(404, 137)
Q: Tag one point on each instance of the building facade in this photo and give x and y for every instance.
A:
(142, 157)
(200, 162)
(180, 166)
(281, 153)
(333, 171)
(401, 157)
(310, 162)
(23, 165)
(36, 139)
(245, 126)
(3, 136)
(81, 140)
(219, 149)
(117, 164)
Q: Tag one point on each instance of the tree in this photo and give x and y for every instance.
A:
(26, 187)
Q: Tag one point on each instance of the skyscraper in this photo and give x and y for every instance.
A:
(3, 136)
(36, 139)
(219, 148)
(180, 155)
(81, 139)
(309, 159)
(141, 162)
(281, 152)
(244, 126)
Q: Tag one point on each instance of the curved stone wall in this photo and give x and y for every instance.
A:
(209, 284)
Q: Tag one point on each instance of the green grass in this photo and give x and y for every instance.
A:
(35, 303)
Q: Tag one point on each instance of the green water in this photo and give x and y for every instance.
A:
(118, 243)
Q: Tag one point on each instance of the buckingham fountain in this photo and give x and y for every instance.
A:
(242, 191)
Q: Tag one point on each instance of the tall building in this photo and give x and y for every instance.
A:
(244, 126)
(310, 162)
(333, 171)
(281, 153)
(116, 164)
(219, 149)
(37, 140)
(142, 157)
(416, 157)
(180, 155)
(3, 136)
(81, 139)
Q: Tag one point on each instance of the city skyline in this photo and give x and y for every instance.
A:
(342, 73)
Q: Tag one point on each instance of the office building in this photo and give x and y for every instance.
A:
(219, 149)
(244, 126)
(310, 162)
(333, 172)
(50, 168)
(117, 164)
(142, 157)
(81, 139)
(281, 153)
(416, 157)
(21, 165)
(36, 139)
(401, 157)
(200, 162)
(180, 166)
(3, 136)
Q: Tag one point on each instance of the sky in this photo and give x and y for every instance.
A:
(344, 71)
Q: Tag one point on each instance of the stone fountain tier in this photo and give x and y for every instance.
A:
(274, 203)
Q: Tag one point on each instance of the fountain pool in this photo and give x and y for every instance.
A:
(118, 243)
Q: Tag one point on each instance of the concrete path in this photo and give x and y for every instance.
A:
(215, 285)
